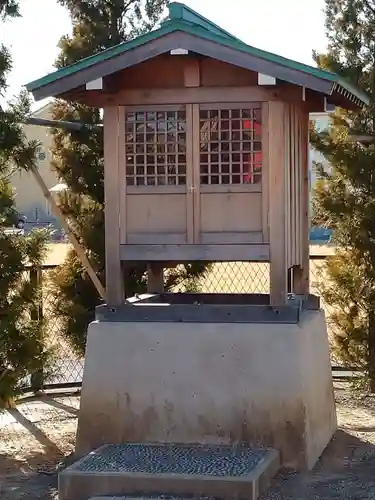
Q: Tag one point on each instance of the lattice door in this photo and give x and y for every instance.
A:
(157, 149)
(230, 173)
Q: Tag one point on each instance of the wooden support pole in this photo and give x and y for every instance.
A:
(112, 154)
(277, 203)
(298, 280)
(155, 278)
(301, 274)
(56, 210)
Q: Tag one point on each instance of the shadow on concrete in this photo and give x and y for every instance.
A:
(30, 487)
(60, 406)
(35, 431)
(362, 429)
(345, 470)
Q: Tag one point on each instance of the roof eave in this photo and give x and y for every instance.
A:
(192, 43)
(351, 93)
(100, 57)
(195, 39)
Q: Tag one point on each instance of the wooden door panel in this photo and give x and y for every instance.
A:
(231, 212)
(157, 143)
(156, 218)
(229, 209)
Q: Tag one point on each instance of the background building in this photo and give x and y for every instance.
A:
(28, 195)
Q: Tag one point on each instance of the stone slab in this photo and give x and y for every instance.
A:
(157, 471)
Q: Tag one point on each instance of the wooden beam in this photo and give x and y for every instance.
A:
(122, 184)
(190, 194)
(277, 203)
(196, 186)
(204, 95)
(301, 274)
(190, 253)
(289, 194)
(114, 277)
(56, 210)
(192, 76)
(155, 278)
(265, 172)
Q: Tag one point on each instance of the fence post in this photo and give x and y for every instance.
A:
(36, 313)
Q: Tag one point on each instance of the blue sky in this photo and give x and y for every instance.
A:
(291, 28)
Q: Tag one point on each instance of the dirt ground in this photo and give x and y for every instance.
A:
(37, 435)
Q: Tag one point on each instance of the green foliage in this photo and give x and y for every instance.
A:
(23, 335)
(23, 348)
(9, 8)
(78, 161)
(345, 197)
(345, 290)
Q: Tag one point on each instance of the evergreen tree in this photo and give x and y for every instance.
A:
(78, 161)
(345, 198)
(22, 333)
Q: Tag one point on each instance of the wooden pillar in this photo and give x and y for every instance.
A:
(155, 278)
(277, 202)
(113, 273)
(301, 274)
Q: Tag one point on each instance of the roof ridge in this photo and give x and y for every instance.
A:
(181, 12)
(263, 54)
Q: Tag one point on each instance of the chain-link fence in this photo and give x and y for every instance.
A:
(228, 277)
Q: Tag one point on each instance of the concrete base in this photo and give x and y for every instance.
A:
(159, 471)
(186, 382)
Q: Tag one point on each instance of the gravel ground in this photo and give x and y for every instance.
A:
(35, 438)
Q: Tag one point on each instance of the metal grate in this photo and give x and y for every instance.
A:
(156, 148)
(187, 459)
(230, 146)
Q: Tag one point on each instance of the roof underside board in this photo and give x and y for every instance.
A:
(194, 44)
(187, 29)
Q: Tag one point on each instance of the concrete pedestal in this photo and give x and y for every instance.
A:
(224, 379)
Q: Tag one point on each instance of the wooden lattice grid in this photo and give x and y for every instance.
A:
(230, 145)
(156, 147)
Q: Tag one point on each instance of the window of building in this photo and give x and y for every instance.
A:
(40, 154)
(48, 209)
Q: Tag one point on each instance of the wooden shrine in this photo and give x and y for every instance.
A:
(205, 159)
(206, 148)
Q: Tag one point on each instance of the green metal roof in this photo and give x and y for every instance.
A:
(182, 18)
